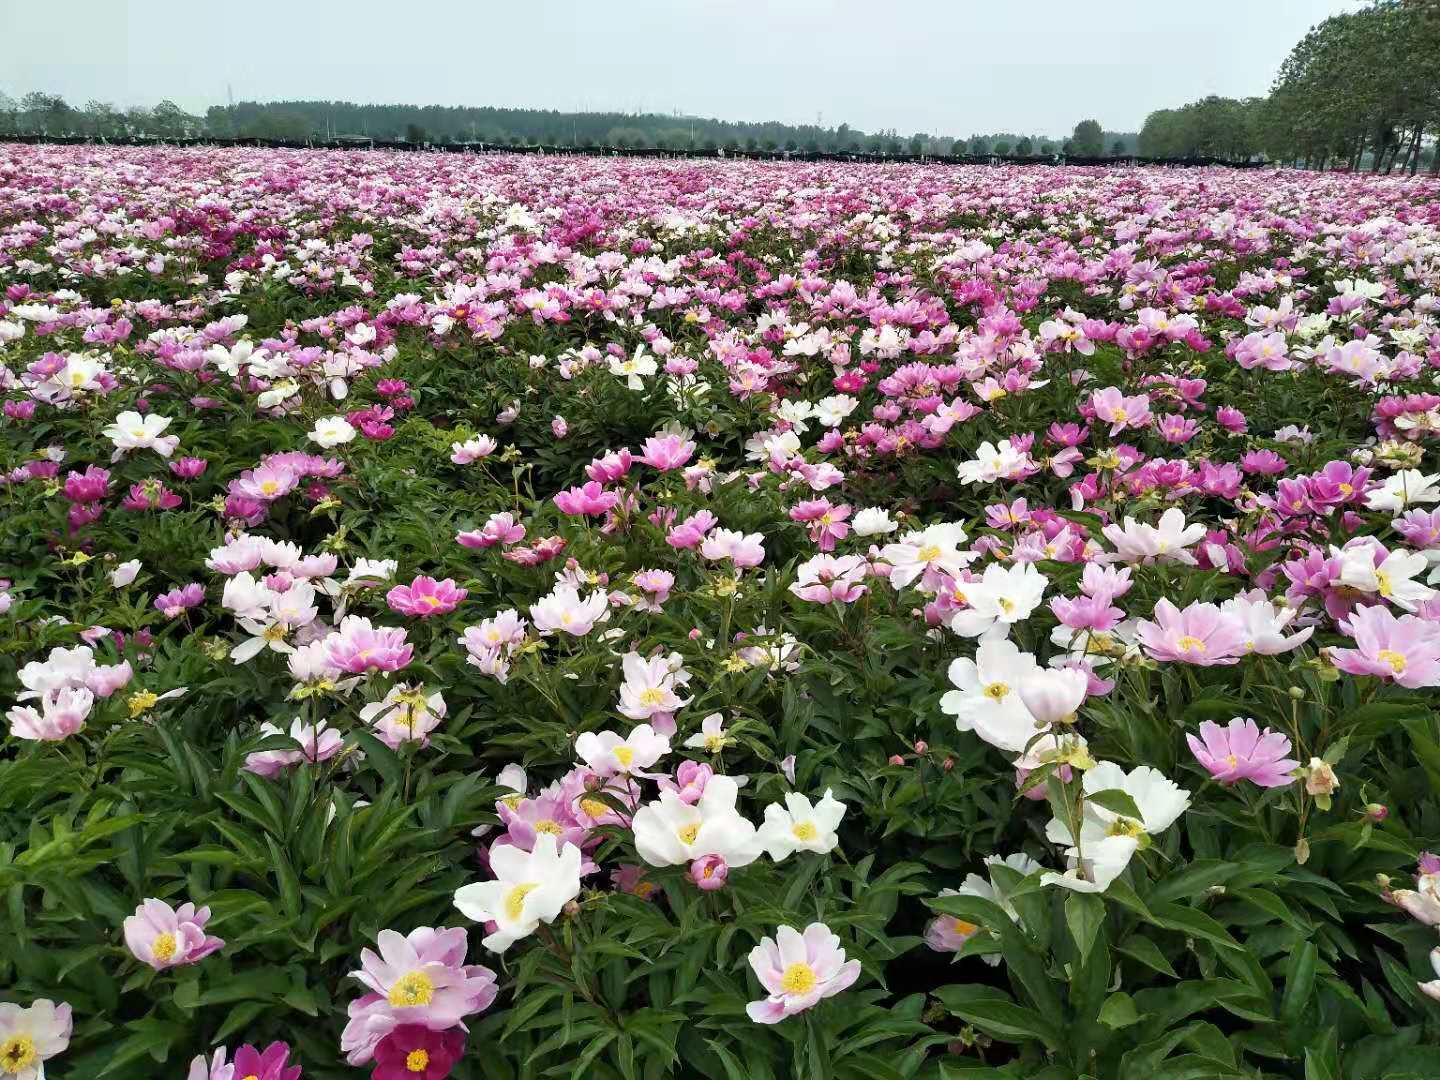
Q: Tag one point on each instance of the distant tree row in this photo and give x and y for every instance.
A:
(1212, 127)
(39, 113)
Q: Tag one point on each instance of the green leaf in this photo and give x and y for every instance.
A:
(1117, 802)
(1148, 953)
(1299, 981)
(1084, 914)
(1118, 1011)
(1194, 923)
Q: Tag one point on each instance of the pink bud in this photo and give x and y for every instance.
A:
(709, 872)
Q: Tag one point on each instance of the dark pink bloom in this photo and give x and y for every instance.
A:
(590, 499)
(413, 1052)
(425, 597)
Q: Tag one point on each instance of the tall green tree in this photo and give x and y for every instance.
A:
(1088, 139)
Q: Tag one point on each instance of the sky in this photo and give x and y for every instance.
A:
(944, 67)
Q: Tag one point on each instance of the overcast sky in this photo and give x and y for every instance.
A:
(946, 67)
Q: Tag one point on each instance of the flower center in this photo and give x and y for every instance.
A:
(16, 1053)
(548, 826)
(928, 553)
(417, 1061)
(164, 948)
(624, 755)
(594, 807)
(798, 979)
(1394, 659)
(1125, 827)
(1190, 643)
(652, 696)
(715, 743)
(805, 831)
(412, 988)
(963, 928)
(515, 900)
(688, 833)
(996, 691)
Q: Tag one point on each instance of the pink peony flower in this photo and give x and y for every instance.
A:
(177, 601)
(358, 647)
(1406, 650)
(798, 971)
(419, 979)
(1242, 751)
(667, 452)
(589, 499)
(425, 597)
(1201, 634)
(166, 937)
(270, 1064)
(709, 872)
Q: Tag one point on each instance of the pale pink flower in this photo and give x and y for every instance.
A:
(166, 937)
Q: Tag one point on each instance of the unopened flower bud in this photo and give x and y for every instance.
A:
(1376, 812)
(1320, 778)
(896, 759)
(921, 746)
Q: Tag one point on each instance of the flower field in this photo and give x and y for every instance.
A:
(520, 617)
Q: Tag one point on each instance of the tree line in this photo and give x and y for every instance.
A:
(40, 113)
(1360, 90)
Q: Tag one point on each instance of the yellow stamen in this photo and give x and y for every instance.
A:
(805, 831)
(515, 900)
(547, 826)
(412, 988)
(996, 691)
(1394, 659)
(417, 1061)
(1191, 644)
(164, 948)
(798, 979)
(624, 755)
(688, 833)
(17, 1053)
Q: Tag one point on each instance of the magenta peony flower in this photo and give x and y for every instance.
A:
(412, 1052)
(269, 1064)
